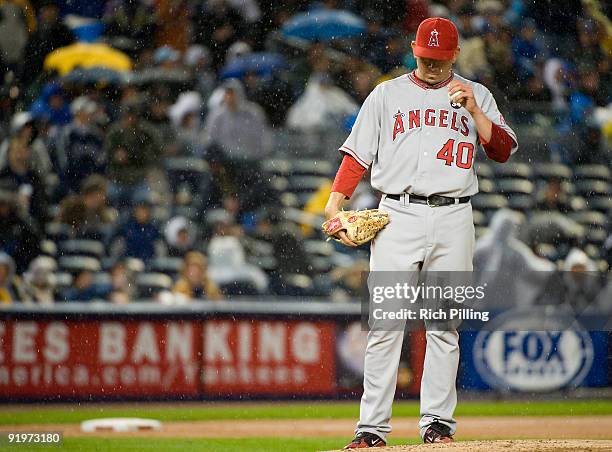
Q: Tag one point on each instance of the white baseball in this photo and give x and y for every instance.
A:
(456, 94)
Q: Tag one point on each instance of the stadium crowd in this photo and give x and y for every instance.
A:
(201, 169)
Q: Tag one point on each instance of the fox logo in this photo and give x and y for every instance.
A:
(433, 39)
(398, 127)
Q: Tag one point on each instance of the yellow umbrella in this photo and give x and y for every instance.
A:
(87, 55)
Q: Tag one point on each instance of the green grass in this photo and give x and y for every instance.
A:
(298, 410)
(208, 445)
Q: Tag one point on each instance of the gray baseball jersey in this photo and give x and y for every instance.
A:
(416, 141)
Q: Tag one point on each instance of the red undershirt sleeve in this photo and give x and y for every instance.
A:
(348, 176)
(499, 147)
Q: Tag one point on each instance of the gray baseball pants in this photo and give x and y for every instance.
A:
(418, 238)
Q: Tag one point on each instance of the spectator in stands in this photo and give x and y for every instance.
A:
(123, 283)
(19, 176)
(157, 116)
(134, 20)
(349, 282)
(272, 92)
(228, 266)
(18, 236)
(50, 34)
(512, 273)
(140, 232)
(374, 42)
(556, 78)
(185, 114)
(51, 106)
(198, 60)
(10, 285)
(173, 23)
(40, 282)
(82, 142)
(133, 149)
(323, 106)
(88, 212)
(576, 286)
(527, 49)
(238, 126)
(194, 282)
(217, 26)
(23, 127)
(85, 289)
(553, 196)
(16, 23)
(180, 234)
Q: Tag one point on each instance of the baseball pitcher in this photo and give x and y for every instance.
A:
(419, 135)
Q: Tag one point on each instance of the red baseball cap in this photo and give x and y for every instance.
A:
(437, 38)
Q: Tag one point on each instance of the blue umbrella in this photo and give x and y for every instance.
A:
(95, 74)
(324, 25)
(261, 63)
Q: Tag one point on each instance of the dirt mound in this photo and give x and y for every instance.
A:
(545, 445)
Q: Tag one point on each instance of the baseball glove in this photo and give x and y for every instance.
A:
(361, 226)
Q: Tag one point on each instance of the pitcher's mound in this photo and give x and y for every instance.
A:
(527, 445)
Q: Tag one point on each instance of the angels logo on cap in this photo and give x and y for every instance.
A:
(436, 38)
(433, 39)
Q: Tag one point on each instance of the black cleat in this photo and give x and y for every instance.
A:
(365, 439)
(438, 433)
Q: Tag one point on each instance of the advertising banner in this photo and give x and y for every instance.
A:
(99, 358)
(268, 357)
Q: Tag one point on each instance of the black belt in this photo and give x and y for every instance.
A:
(432, 200)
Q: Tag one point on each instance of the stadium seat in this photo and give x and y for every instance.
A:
(521, 202)
(593, 251)
(48, 247)
(547, 251)
(279, 183)
(149, 284)
(267, 263)
(102, 278)
(550, 170)
(600, 203)
(321, 264)
(58, 231)
(316, 167)
(63, 280)
(510, 186)
(596, 235)
(189, 212)
(190, 170)
(75, 264)
(513, 170)
(486, 186)
(299, 184)
(289, 200)
(484, 170)
(592, 187)
(238, 288)
(486, 201)
(599, 172)
(578, 204)
(279, 167)
(82, 247)
(589, 217)
(479, 218)
(318, 247)
(167, 265)
(480, 231)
